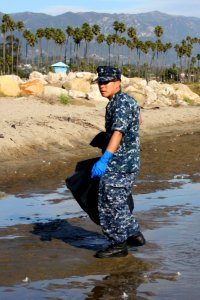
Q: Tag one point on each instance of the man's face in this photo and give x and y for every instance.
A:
(109, 88)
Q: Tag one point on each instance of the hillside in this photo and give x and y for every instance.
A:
(175, 27)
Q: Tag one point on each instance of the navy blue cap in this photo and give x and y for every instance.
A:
(107, 73)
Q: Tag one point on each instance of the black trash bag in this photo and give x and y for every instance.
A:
(101, 140)
(85, 189)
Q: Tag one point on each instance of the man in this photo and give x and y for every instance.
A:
(118, 166)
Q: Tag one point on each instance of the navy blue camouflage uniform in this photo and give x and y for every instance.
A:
(116, 220)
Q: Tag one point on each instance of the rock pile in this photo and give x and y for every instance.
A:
(82, 85)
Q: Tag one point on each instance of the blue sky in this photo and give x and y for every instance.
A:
(175, 7)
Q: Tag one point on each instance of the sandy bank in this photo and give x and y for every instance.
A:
(32, 129)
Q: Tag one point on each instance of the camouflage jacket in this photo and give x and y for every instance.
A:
(122, 114)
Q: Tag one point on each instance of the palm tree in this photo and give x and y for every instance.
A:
(19, 27)
(26, 35)
(77, 37)
(39, 35)
(87, 35)
(69, 31)
(96, 30)
(118, 27)
(11, 28)
(198, 59)
(100, 39)
(31, 41)
(131, 31)
(48, 36)
(131, 47)
(158, 30)
(121, 42)
(109, 41)
(4, 29)
(59, 38)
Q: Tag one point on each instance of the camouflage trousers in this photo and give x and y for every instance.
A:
(116, 220)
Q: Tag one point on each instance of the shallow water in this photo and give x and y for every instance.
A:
(47, 242)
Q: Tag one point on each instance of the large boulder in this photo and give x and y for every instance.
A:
(32, 87)
(184, 93)
(56, 79)
(50, 91)
(77, 84)
(37, 75)
(74, 94)
(94, 94)
(9, 86)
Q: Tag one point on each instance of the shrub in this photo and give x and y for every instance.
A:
(64, 99)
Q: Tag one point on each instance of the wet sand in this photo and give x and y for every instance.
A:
(56, 255)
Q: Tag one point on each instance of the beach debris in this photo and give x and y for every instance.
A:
(178, 273)
(1, 136)
(26, 279)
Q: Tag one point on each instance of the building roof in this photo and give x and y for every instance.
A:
(59, 64)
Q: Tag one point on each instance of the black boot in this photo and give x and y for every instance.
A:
(136, 241)
(118, 250)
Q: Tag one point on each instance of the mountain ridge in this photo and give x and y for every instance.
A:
(175, 27)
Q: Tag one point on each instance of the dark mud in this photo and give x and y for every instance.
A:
(47, 243)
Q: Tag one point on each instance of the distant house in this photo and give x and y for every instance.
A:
(60, 67)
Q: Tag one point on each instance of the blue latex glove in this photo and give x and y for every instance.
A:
(99, 167)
